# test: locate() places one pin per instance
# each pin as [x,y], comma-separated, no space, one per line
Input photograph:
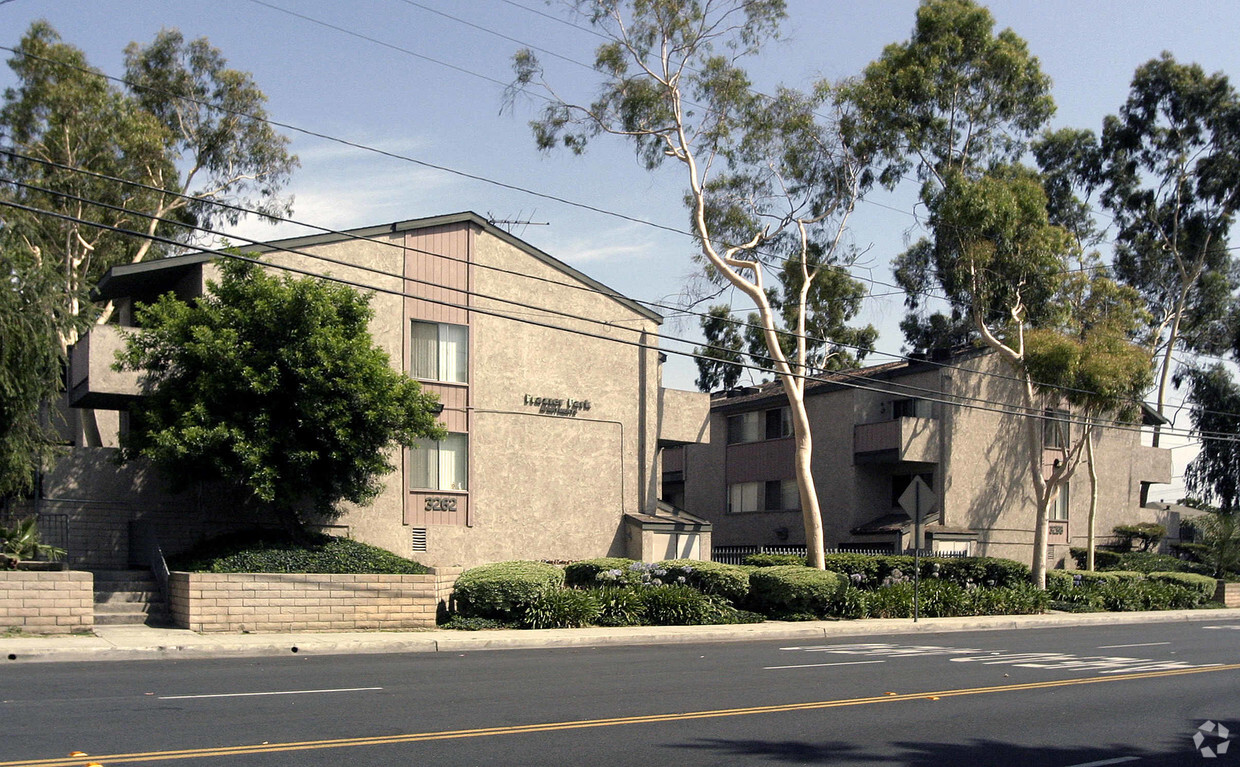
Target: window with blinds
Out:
[439,352]
[440,464]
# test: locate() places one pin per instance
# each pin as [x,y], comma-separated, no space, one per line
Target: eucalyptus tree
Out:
[1169,173]
[30,360]
[831,343]
[187,130]
[770,183]
[957,106]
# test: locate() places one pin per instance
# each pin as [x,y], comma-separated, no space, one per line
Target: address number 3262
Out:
[441,504]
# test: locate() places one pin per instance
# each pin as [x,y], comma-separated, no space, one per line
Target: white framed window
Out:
[439,352]
[440,464]
[1059,506]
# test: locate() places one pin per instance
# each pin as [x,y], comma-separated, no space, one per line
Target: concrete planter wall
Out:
[1228,594]
[221,602]
[55,602]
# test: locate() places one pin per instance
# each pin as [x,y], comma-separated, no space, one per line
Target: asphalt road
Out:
[1071,696]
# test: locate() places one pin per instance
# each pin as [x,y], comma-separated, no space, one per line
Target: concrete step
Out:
[128,598]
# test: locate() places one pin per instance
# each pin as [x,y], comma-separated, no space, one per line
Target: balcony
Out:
[898,440]
[92,381]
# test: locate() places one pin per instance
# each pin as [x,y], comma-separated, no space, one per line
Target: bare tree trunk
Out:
[1093,498]
[811,513]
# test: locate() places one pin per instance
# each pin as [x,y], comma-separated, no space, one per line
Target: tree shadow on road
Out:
[974,753]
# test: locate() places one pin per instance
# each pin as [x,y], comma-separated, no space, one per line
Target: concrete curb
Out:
[144,643]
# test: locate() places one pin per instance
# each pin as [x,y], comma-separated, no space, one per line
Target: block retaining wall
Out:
[223,602]
[1228,594]
[57,602]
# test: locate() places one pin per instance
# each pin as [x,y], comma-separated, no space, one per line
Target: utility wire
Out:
[575,286]
[842,380]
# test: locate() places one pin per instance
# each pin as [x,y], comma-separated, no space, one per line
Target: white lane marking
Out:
[1234,627]
[819,665]
[253,694]
[1143,644]
[1118,760]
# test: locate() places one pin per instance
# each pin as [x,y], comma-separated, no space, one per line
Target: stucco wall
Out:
[214,602]
[47,602]
[979,458]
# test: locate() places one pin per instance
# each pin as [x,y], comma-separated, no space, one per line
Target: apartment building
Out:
[954,424]
[550,384]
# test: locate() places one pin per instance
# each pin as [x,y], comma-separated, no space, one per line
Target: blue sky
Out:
[428,84]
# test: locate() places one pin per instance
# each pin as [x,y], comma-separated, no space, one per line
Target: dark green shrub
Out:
[1134,595]
[851,603]
[943,599]
[787,589]
[620,606]
[560,608]
[728,581]
[894,600]
[1147,534]
[266,551]
[680,605]
[1126,575]
[774,560]
[1103,559]
[461,623]
[1202,584]
[597,572]
[1149,562]
[1019,599]
[860,569]
[501,590]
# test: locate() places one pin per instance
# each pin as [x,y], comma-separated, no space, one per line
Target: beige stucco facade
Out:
[557,396]
[952,423]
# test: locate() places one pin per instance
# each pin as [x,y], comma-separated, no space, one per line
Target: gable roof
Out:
[128,279]
[470,217]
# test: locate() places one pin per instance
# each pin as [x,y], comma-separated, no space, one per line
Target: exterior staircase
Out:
[129,598]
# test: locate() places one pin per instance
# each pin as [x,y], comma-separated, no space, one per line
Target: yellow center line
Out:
[417,737]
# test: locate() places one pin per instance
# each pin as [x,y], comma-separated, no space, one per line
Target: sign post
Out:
[918,500]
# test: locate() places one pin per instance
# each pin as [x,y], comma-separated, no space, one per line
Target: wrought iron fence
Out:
[735,555]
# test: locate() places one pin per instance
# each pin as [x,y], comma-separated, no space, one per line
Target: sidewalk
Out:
[145,643]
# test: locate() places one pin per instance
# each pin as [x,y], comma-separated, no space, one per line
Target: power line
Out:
[844,380]
[575,286]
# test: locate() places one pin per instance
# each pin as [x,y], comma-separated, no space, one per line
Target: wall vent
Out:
[419,539]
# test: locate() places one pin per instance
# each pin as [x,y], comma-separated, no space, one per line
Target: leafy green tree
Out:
[1214,402]
[273,384]
[1170,175]
[31,362]
[719,361]
[64,120]
[831,344]
[957,104]
[769,181]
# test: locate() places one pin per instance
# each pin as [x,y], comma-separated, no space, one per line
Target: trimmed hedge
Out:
[588,571]
[787,590]
[503,589]
[774,560]
[272,552]
[1203,584]
[728,581]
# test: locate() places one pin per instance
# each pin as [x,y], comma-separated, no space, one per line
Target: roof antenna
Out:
[509,224]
